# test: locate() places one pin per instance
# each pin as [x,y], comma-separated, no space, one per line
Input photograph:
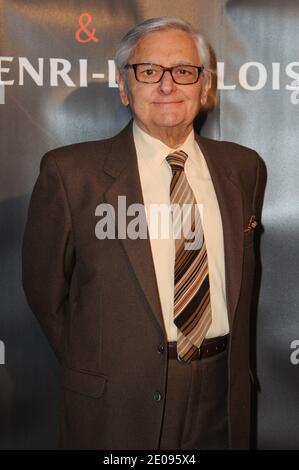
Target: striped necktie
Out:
[192,307]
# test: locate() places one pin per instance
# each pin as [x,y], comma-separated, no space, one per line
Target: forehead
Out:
[166,48]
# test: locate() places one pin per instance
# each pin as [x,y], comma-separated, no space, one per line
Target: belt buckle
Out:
[179,357]
[198,355]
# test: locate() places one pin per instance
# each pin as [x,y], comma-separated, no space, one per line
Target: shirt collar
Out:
[155,151]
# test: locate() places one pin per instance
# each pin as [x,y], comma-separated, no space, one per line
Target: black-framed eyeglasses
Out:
[153,73]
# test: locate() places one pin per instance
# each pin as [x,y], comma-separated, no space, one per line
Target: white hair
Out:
[126,47]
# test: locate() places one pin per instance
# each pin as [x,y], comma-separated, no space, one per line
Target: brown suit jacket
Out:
[97,300]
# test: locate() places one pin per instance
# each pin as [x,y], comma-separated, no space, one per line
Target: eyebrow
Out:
[181,62]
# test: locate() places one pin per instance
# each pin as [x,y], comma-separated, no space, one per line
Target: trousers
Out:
[196,412]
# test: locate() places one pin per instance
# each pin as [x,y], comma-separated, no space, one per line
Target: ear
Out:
[122,89]
[206,85]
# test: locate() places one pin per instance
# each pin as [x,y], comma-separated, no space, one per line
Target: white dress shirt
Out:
[155,176]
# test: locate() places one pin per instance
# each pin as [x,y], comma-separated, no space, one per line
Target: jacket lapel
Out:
[122,165]
[229,197]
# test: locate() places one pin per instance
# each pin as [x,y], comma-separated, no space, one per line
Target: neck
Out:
[170,136]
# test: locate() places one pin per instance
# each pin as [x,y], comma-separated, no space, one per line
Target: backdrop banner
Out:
[57,86]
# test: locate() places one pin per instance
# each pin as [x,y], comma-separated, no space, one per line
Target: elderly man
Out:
[152,335]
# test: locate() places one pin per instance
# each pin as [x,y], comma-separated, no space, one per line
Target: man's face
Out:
[165,104]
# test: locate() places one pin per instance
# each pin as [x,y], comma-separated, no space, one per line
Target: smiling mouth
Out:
[167,102]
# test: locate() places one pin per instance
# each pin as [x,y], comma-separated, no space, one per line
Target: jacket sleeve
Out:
[47,252]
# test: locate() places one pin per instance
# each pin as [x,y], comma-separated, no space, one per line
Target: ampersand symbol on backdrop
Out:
[84,22]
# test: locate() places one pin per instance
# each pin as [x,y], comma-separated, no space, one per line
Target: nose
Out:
[167,85]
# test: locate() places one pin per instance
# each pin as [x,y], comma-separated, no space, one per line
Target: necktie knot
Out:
[177,160]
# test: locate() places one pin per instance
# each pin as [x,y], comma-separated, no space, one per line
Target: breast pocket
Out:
[248,238]
[249,231]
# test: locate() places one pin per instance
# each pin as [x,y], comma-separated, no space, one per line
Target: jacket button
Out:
[160,348]
[157,396]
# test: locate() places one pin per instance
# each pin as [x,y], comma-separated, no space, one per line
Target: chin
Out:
[167,121]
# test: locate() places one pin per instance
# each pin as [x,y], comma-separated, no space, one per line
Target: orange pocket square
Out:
[251,224]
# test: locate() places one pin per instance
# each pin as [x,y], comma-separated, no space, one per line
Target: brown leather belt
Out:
[210,347]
